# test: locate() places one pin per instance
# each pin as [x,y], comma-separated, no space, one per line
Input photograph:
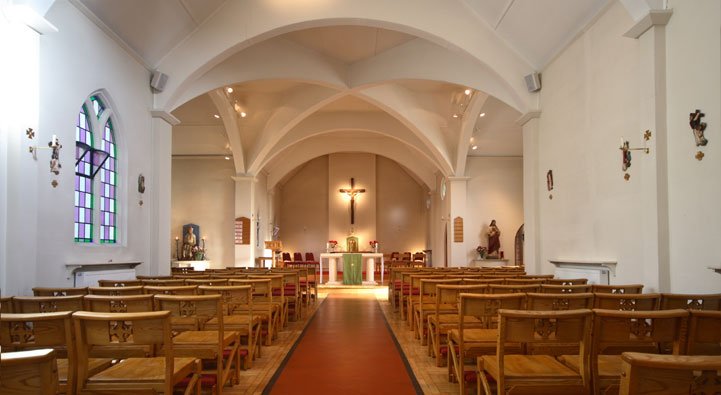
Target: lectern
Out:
[275,247]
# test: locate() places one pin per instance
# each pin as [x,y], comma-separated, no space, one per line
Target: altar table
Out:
[367,257]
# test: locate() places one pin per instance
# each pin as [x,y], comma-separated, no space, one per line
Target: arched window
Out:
[95,155]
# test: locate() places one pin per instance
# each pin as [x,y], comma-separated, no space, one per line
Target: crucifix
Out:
[352,192]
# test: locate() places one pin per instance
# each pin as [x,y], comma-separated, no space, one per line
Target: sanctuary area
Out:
[342,196]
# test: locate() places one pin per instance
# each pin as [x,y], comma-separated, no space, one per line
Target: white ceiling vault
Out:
[274,83]
[537,29]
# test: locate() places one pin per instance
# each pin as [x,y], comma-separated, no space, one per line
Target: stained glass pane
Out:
[83,186]
[98,106]
[107,187]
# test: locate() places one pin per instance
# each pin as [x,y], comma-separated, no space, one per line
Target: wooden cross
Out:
[352,192]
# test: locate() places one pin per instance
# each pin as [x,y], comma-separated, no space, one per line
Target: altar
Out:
[368,260]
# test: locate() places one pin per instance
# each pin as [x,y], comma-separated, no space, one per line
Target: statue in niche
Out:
[189,241]
[351,244]
[494,240]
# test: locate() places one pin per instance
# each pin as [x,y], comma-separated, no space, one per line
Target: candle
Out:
[177,238]
[55,140]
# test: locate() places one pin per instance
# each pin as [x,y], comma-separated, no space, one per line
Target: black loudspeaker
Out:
[158,81]
[533,82]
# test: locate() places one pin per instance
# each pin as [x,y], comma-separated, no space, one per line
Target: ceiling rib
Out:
[503,14]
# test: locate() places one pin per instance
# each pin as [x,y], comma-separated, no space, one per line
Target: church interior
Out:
[339,196]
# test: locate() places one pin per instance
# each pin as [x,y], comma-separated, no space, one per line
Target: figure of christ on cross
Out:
[352,192]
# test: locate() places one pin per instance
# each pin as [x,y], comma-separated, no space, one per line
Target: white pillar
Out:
[458,253]
[19,104]
[245,207]
[531,193]
[160,243]
[651,34]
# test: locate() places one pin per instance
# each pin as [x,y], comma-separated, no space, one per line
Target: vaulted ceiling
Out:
[273,83]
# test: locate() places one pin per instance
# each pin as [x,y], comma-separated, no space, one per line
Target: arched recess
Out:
[352,141]
[238,25]
[326,122]
[278,58]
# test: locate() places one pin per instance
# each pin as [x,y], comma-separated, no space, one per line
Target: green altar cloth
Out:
[352,269]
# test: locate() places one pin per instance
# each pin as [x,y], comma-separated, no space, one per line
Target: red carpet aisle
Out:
[347,349]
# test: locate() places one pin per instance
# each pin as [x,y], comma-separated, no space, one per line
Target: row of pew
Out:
[187,333]
[503,331]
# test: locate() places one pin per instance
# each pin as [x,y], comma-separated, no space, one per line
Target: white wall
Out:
[203,193]
[593,93]
[694,82]
[589,100]
[73,63]
[303,214]
[494,191]
[400,209]
[19,99]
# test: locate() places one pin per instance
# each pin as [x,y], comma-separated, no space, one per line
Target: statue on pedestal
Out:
[494,240]
[189,241]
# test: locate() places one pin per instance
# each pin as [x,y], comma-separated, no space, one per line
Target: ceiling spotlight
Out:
[243,114]
[475,147]
[467,92]
[227,158]
[229,90]
[216,116]
[483,114]
[455,115]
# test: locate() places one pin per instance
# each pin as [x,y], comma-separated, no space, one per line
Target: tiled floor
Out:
[432,379]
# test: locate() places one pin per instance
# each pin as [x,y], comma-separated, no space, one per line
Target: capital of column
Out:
[244,177]
[165,116]
[653,18]
[525,118]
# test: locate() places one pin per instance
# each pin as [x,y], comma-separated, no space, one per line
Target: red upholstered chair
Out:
[309,257]
[297,257]
[286,257]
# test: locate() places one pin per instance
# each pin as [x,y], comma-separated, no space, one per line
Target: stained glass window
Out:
[108,178]
[95,155]
[83,183]
[97,106]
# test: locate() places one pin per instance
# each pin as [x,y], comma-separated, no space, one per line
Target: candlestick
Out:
[177,254]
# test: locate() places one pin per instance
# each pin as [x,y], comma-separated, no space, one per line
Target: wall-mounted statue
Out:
[494,240]
[698,127]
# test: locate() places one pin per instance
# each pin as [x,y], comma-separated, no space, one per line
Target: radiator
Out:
[90,278]
[595,275]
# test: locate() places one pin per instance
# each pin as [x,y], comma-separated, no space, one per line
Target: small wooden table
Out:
[262,261]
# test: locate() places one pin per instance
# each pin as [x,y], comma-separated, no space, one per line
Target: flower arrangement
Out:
[374,245]
[330,245]
[198,252]
[482,251]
